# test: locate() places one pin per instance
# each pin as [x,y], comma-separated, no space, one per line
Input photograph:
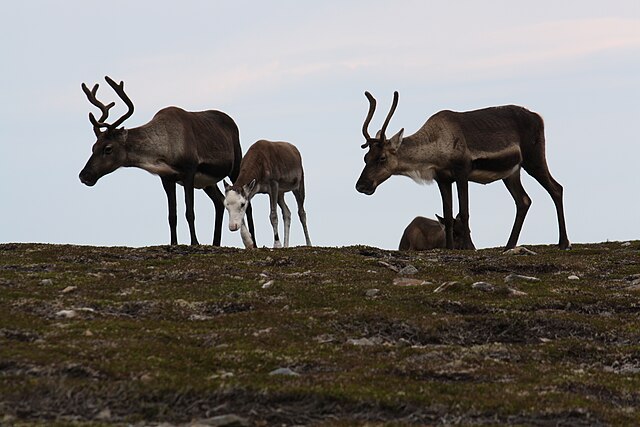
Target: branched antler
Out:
[91,95]
[119,89]
[101,123]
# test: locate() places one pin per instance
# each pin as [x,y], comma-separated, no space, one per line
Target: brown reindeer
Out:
[479,146]
[273,168]
[423,234]
[193,149]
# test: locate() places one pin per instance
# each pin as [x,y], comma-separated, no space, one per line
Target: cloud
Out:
[550,43]
[278,57]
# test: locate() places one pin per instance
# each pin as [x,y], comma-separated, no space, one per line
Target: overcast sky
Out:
[296,71]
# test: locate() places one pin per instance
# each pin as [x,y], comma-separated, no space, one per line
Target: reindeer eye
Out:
[382,159]
[108,149]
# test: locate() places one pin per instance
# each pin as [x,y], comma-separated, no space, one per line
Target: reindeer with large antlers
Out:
[193,149]
[479,146]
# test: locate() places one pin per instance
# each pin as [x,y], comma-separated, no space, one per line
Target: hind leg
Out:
[286,218]
[543,176]
[514,185]
[299,195]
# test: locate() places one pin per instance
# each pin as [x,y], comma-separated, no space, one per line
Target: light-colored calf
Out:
[273,168]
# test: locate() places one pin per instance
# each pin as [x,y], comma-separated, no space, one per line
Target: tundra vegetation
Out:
[321,336]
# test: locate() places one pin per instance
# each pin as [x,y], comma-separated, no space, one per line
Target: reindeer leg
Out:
[190,214]
[286,218]
[447,210]
[252,231]
[247,239]
[462,185]
[217,198]
[169,186]
[273,215]
[299,194]
[514,185]
[543,176]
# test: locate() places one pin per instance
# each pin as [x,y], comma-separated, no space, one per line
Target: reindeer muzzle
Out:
[87,178]
[365,189]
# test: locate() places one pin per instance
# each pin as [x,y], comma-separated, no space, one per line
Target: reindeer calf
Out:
[273,168]
[423,234]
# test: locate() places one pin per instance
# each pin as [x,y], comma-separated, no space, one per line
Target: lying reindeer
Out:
[423,234]
[273,168]
[193,149]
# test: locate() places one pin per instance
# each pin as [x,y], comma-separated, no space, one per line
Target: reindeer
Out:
[423,234]
[479,146]
[273,168]
[193,149]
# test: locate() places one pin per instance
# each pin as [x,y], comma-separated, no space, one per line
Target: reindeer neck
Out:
[140,147]
[150,148]
[414,151]
[252,167]
[417,158]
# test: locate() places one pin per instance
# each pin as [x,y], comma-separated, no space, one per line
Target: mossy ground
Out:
[173,334]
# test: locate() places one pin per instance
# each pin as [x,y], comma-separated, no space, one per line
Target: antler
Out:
[388,119]
[91,95]
[372,109]
[365,126]
[119,89]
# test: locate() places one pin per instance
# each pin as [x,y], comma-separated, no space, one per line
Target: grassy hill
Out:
[322,336]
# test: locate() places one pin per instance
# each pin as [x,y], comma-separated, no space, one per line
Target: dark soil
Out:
[182,335]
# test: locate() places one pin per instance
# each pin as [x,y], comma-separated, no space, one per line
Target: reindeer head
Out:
[236,201]
[381,160]
[109,151]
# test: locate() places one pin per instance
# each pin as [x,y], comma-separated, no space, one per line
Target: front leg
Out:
[462,184]
[246,236]
[217,198]
[190,214]
[273,214]
[251,230]
[286,218]
[447,210]
[169,186]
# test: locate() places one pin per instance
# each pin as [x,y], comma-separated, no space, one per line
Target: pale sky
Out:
[297,71]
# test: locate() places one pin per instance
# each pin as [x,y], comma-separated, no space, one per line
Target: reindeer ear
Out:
[121,135]
[227,186]
[440,219]
[249,187]
[396,139]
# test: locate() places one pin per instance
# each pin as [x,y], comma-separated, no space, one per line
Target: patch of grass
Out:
[172,334]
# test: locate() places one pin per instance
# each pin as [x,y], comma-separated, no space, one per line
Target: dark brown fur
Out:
[423,234]
[479,146]
[194,149]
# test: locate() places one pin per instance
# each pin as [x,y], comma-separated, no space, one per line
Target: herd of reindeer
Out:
[200,149]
